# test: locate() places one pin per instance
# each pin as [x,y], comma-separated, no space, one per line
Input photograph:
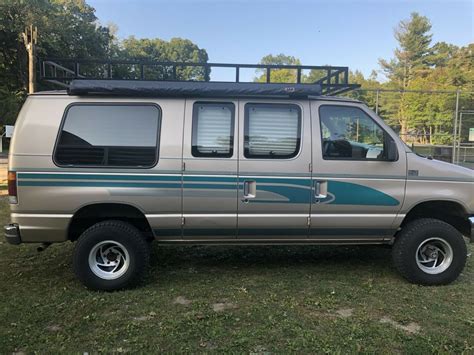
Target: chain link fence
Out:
[437,123]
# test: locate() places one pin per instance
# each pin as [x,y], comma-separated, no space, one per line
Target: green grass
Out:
[278,299]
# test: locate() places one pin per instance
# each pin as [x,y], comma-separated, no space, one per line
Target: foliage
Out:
[176,50]
[417,65]
[70,29]
[422,116]
[412,55]
[278,75]
[67,28]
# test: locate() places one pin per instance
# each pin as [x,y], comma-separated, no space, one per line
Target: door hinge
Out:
[183,221]
[310,167]
[308,221]
[183,166]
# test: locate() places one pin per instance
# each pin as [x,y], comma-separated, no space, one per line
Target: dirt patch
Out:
[345,312]
[259,350]
[208,345]
[149,316]
[223,306]
[411,328]
[182,300]
[53,328]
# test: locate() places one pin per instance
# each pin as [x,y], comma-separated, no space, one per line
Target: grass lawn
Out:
[233,299]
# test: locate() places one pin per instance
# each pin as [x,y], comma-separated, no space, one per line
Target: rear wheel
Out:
[111,255]
[429,252]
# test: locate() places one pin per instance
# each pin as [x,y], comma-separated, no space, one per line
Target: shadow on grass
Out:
[177,262]
[267,255]
[252,260]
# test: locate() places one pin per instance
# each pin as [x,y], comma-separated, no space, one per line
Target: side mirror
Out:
[392,150]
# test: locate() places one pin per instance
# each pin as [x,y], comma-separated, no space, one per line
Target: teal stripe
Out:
[210,178]
[125,185]
[290,190]
[99,184]
[98,177]
[273,181]
[27,173]
[346,193]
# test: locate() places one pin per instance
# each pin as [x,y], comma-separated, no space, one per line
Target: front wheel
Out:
[110,255]
[429,252]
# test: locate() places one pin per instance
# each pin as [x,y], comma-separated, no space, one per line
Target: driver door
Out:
[357,191]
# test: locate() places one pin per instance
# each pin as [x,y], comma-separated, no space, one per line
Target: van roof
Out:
[116,94]
[309,97]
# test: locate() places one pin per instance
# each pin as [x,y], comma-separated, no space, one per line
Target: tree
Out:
[70,29]
[67,28]
[412,58]
[278,75]
[176,50]
[364,94]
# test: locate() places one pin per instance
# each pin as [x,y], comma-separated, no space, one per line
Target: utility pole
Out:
[455,133]
[30,38]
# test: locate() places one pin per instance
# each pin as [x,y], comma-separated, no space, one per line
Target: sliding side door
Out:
[210,170]
[274,174]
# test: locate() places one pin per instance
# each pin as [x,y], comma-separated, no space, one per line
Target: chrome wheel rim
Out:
[109,260]
[434,256]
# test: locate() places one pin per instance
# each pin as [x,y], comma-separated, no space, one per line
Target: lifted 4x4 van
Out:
[113,165]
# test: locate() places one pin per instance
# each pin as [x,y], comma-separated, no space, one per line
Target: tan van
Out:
[113,165]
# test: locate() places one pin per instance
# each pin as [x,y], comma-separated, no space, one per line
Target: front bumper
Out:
[12,234]
[471,221]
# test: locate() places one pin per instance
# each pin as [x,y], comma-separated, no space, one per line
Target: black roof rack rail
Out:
[62,71]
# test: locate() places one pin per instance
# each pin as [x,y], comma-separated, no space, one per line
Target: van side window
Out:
[272,131]
[109,135]
[349,133]
[213,130]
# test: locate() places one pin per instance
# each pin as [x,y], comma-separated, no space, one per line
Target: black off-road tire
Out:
[127,236]
[413,235]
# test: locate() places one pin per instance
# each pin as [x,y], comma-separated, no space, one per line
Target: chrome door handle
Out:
[250,190]
[246,188]
[320,189]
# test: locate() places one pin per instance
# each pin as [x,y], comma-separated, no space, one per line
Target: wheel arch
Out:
[449,211]
[90,214]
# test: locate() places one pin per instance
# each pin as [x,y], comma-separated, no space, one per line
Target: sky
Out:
[340,32]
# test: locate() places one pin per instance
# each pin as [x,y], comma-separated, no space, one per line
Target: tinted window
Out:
[213,127]
[109,135]
[272,131]
[349,133]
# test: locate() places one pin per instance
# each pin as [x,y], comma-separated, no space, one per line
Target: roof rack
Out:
[332,80]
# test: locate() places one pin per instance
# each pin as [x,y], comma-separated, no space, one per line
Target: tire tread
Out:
[403,246]
[135,237]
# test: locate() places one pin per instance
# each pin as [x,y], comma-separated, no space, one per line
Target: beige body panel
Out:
[185,198]
[364,197]
[32,151]
[272,213]
[214,206]
[432,180]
